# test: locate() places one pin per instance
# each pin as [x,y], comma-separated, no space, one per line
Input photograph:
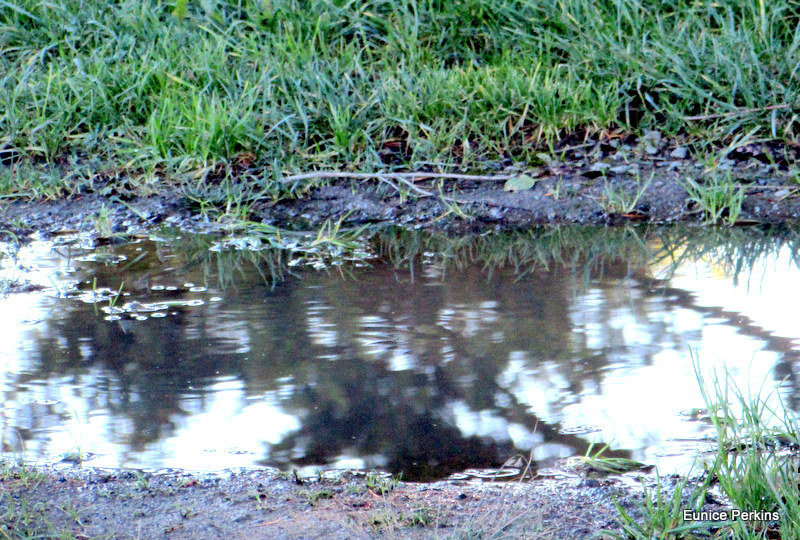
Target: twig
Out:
[738,111]
[396,176]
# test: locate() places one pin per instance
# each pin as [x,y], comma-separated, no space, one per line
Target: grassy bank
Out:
[147,92]
[753,470]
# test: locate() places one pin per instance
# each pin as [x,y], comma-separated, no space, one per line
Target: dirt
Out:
[577,189]
[91,503]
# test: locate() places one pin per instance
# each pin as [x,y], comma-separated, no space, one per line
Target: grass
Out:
[599,463]
[663,514]
[617,200]
[754,467]
[720,198]
[381,484]
[23,518]
[141,96]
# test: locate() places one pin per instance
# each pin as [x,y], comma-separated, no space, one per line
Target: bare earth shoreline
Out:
[603,190]
[91,503]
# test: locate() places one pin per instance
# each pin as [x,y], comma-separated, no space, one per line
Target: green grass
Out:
[149,94]
[19,516]
[754,468]
[617,200]
[719,197]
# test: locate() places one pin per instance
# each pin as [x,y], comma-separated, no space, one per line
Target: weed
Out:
[755,468]
[314,496]
[720,197]
[19,518]
[663,515]
[20,475]
[73,513]
[610,465]
[142,481]
[420,516]
[102,222]
[261,499]
[617,200]
[381,484]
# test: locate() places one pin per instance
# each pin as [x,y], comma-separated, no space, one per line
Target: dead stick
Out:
[738,111]
[397,176]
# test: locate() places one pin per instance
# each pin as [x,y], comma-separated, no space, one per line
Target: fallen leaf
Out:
[518,183]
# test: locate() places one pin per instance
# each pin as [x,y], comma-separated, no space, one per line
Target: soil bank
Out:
[91,503]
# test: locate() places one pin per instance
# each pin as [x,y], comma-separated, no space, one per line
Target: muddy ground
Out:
[597,183]
[87,503]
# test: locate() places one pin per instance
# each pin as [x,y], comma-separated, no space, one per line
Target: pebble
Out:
[650,149]
[679,153]
[600,166]
[620,169]
[652,135]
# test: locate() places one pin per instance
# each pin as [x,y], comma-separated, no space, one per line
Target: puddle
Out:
[406,352]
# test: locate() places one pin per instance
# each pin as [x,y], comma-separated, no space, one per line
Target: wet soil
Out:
[648,176]
[86,503]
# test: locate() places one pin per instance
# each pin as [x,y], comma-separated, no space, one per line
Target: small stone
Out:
[650,149]
[652,135]
[600,166]
[781,193]
[620,169]
[679,153]
[675,164]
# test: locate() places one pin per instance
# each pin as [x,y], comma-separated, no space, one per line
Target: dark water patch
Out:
[411,352]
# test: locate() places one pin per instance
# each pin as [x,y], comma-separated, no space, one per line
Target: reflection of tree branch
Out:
[788,355]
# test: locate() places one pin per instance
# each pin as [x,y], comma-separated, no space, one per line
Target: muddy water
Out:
[409,352]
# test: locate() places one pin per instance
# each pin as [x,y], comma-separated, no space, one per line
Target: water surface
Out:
[413,353]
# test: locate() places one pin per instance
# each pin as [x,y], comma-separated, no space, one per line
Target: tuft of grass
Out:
[315,496]
[719,197]
[102,222]
[597,462]
[20,518]
[381,484]
[662,514]
[19,475]
[618,201]
[755,467]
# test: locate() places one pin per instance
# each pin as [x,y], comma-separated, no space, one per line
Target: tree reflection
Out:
[394,360]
